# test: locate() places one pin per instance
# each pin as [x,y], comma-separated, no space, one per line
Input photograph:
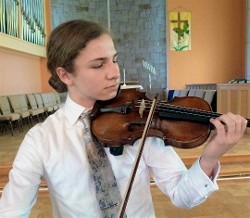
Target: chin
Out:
[109,96]
[112,96]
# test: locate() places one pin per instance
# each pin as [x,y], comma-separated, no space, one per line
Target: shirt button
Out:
[206,185]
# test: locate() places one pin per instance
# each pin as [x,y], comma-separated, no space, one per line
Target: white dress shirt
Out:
[54,151]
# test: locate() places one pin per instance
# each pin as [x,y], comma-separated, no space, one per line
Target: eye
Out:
[97,66]
[115,60]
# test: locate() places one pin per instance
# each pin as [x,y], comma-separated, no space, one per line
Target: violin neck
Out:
[189,117]
[189,114]
[186,113]
[170,111]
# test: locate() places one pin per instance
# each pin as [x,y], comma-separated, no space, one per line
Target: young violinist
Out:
[82,59]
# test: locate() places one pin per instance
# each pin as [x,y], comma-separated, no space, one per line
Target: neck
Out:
[84,102]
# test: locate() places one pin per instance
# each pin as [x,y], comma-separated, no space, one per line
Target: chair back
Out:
[45,99]
[199,93]
[32,101]
[183,92]
[209,95]
[15,103]
[191,92]
[39,100]
[176,93]
[58,100]
[23,102]
[5,105]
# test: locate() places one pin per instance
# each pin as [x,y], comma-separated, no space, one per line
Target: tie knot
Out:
[85,114]
[84,117]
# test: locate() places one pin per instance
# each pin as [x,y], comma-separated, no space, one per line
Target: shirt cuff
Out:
[215,172]
[208,185]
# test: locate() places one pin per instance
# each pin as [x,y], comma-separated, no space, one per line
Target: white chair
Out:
[183,92]
[191,92]
[199,93]
[180,92]
[209,95]
[8,116]
[34,110]
[176,93]
[58,99]
[40,104]
[19,105]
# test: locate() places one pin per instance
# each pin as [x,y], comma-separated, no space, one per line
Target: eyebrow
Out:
[103,58]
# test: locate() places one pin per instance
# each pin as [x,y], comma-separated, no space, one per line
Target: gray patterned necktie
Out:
[107,192]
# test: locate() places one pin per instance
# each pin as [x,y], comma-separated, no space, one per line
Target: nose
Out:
[113,71]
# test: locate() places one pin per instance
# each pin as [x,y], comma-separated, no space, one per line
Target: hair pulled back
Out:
[64,45]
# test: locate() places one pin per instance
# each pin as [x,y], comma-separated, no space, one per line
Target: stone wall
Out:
[138,29]
[65,10]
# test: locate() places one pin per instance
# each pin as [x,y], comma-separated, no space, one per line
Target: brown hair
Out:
[64,45]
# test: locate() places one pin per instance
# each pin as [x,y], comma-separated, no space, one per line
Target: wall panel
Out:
[234,98]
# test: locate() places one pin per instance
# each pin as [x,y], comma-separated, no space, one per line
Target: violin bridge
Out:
[142,108]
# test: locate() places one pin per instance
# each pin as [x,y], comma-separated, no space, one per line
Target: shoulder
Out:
[42,131]
[52,121]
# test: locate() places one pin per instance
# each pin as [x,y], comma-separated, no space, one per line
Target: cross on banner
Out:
[178,21]
[180,31]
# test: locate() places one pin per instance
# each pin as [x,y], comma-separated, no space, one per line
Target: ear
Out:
[64,76]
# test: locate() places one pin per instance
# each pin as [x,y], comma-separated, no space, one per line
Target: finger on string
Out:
[218,125]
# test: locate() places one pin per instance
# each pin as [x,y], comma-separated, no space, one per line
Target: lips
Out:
[115,86]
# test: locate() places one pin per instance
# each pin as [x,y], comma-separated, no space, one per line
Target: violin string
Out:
[194,112]
[187,110]
[166,108]
[163,107]
[186,114]
[171,112]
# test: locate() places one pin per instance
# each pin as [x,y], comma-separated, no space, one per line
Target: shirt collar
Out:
[72,110]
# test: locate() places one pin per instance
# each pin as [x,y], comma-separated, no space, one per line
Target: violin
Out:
[182,122]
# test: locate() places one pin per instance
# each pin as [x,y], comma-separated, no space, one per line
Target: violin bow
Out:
[137,160]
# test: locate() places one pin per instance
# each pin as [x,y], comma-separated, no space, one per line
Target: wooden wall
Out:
[234,98]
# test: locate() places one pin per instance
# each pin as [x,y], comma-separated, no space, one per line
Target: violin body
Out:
[118,122]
